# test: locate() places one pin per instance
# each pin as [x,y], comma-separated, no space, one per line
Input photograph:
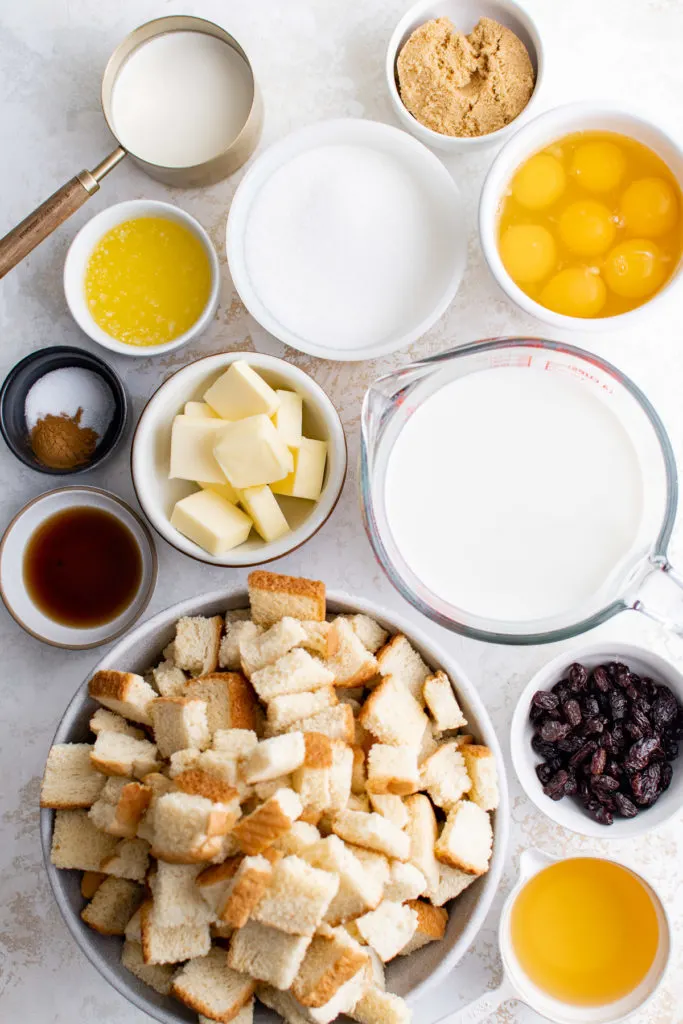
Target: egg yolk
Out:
[598,166]
[539,182]
[528,252]
[649,207]
[576,291]
[635,269]
[587,227]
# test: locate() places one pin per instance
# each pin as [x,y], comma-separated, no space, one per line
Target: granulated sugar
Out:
[345,247]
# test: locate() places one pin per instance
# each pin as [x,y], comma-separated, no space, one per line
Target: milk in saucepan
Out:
[514,494]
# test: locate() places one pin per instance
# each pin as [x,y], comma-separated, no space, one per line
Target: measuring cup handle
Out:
[483,1007]
[22,239]
[651,610]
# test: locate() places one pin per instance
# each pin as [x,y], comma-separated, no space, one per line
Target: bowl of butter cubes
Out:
[238,459]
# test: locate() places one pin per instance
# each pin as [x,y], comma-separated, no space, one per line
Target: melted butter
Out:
[147,281]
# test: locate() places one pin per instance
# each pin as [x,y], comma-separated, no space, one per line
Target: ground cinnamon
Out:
[60,442]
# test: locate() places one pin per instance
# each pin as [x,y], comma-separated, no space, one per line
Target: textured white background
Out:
[314,59]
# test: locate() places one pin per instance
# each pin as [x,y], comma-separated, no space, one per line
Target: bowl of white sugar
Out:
[346,239]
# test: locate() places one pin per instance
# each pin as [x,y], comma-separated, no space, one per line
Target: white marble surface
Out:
[314,59]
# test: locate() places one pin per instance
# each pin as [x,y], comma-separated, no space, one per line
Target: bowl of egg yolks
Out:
[581,216]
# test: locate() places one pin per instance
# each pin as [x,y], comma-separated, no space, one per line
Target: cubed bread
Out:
[336,722]
[359,891]
[422,832]
[114,753]
[120,807]
[129,859]
[393,715]
[268,647]
[179,723]
[328,965]
[272,758]
[466,839]
[376,864]
[341,774]
[264,790]
[390,807]
[123,692]
[405,883]
[168,679]
[359,775]
[267,954]
[209,987]
[369,632]
[284,1003]
[481,768]
[171,944]
[400,660]
[230,700]
[349,660]
[373,832]
[90,883]
[295,672]
[70,781]
[133,930]
[236,631]
[451,882]
[108,721]
[297,898]
[360,802]
[378,1007]
[440,699]
[392,769]
[388,929]
[317,636]
[177,898]
[431,925]
[312,779]
[428,746]
[237,743]
[444,777]
[268,822]
[214,882]
[300,837]
[285,711]
[76,843]
[244,891]
[272,597]
[157,976]
[199,782]
[188,829]
[196,644]
[112,906]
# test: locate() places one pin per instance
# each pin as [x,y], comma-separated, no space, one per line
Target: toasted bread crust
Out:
[274,583]
[219,872]
[133,803]
[243,702]
[262,827]
[245,897]
[206,1009]
[110,683]
[318,750]
[347,965]
[431,920]
[90,883]
[197,782]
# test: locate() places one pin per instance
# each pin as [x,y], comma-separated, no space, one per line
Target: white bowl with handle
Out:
[408,976]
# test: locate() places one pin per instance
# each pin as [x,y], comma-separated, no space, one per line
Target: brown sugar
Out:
[464,85]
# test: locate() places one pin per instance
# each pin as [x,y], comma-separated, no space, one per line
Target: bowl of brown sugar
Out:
[62,410]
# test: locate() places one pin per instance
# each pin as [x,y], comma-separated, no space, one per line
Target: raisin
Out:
[664,708]
[618,705]
[604,785]
[544,772]
[666,776]
[570,744]
[670,748]
[642,752]
[626,807]
[571,786]
[552,731]
[543,749]
[578,677]
[598,761]
[591,708]
[639,719]
[555,787]
[643,704]
[601,814]
[613,768]
[608,744]
[562,690]
[571,709]
[545,699]
[585,751]
[647,785]
[618,735]
[593,727]
[601,680]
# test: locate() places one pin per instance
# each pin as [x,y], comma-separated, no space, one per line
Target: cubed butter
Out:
[192,444]
[251,452]
[306,478]
[200,410]
[225,490]
[260,504]
[211,522]
[240,392]
[288,416]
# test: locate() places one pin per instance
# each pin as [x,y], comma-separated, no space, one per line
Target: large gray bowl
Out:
[407,976]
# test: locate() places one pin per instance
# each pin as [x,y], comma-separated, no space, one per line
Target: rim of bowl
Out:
[264,558]
[244,198]
[436,652]
[118,393]
[74,273]
[521,753]
[457,142]
[488,212]
[151,584]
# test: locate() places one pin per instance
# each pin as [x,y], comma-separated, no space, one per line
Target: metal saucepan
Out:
[22,239]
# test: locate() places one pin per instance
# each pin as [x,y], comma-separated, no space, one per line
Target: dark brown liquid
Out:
[82,567]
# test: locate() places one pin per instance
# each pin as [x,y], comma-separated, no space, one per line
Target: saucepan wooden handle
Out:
[22,239]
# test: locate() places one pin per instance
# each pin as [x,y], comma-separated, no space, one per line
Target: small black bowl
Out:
[21,379]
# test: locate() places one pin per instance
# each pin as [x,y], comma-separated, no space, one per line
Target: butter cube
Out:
[200,410]
[240,392]
[192,443]
[225,490]
[268,518]
[306,479]
[251,452]
[288,416]
[211,521]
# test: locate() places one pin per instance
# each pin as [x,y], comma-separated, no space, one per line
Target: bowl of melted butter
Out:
[141,278]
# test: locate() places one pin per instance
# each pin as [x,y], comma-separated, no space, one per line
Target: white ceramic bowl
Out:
[464,14]
[536,135]
[13,588]
[568,812]
[407,976]
[422,166]
[151,447]
[77,260]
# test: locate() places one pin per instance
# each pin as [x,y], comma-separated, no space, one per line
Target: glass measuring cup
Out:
[392,399]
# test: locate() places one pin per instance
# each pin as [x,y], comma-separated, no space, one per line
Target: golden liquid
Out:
[585,931]
[638,162]
[147,281]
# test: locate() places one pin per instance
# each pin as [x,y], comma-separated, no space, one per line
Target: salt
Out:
[345,246]
[64,391]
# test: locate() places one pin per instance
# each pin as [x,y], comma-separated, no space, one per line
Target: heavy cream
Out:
[513,494]
[181,98]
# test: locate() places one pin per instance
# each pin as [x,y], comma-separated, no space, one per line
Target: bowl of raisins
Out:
[595,740]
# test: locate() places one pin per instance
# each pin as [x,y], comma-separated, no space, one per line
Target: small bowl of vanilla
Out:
[141,278]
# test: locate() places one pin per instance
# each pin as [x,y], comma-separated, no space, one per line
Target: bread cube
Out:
[400,660]
[112,906]
[373,832]
[70,781]
[391,807]
[392,770]
[431,925]
[293,673]
[123,692]
[273,596]
[440,699]
[197,639]
[359,890]
[330,963]
[157,976]
[393,715]
[169,679]
[267,954]
[235,632]
[268,822]
[207,986]
[388,929]
[481,768]
[120,807]
[188,829]
[275,757]
[285,711]
[171,944]
[337,722]
[451,882]
[179,723]
[405,883]
[369,632]
[444,776]
[129,859]
[230,700]
[467,839]
[265,648]
[115,753]
[235,742]
[108,721]
[349,659]
[422,832]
